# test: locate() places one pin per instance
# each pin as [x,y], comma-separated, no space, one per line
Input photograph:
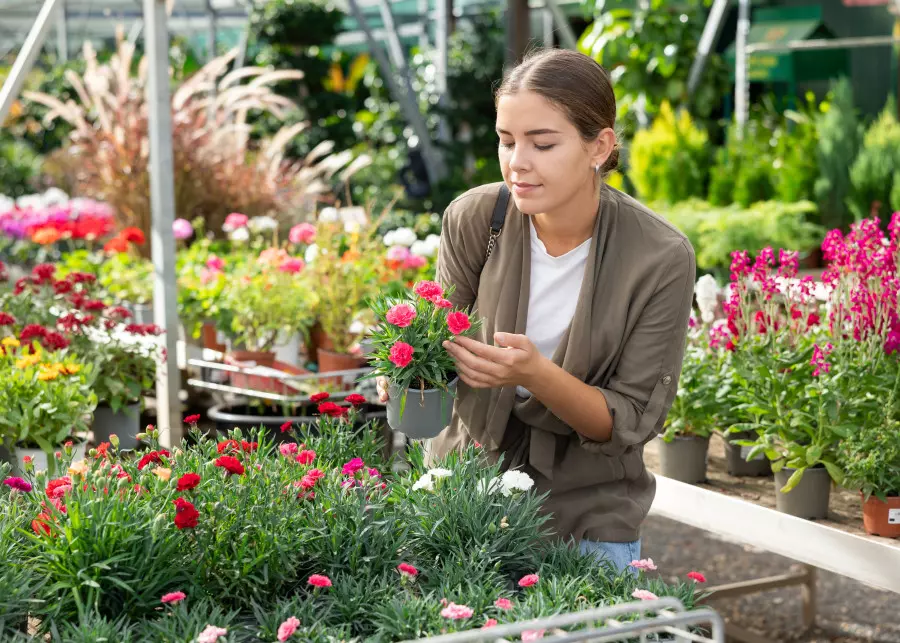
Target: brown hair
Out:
[576,84]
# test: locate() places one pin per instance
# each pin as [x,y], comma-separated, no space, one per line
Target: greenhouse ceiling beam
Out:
[34,42]
[711,31]
[566,35]
[162,206]
[407,98]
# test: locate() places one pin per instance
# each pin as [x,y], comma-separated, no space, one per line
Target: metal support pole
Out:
[62,33]
[547,24]
[710,34]
[395,49]
[162,202]
[405,96]
[518,30]
[566,36]
[27,55]
[424,11]
[741,60]
[211,29]
[442,36]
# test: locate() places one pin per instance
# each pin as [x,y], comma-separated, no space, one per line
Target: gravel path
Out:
[848,611]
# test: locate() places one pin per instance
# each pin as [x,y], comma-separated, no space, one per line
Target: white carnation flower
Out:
[328,215]
[262,224]
[403,237]
[439,473]
[515,482]
[426,482]
[388,238]
[707,293]
[241,234]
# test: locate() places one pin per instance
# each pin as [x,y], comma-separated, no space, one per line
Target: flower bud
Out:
[114,440]
[68,447]
[93,453]
[141,436]
[58,455]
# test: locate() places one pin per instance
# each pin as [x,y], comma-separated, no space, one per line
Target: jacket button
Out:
[667,379]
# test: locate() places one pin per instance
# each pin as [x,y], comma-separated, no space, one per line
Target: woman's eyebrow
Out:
[533,132]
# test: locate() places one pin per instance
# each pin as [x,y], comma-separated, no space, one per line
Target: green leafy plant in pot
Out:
[409,351]
[45,400]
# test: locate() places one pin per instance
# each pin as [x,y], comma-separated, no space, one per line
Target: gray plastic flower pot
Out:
[125,423]
[684,458]
[809,499]
[425,415]
[736,457]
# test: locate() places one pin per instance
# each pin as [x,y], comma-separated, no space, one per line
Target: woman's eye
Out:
[506,146]
[544,148]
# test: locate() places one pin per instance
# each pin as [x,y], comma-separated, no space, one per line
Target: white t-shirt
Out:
[555,286]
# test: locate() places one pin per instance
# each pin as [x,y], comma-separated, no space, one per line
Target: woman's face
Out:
[544,160]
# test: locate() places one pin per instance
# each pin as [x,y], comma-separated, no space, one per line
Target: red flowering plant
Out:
[408,341]
[69,313]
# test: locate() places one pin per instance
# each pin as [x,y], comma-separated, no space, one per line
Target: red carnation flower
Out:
[230,464]
[32,331]
[192,419]
[401,354]
[119,311]
[93,305]
[306,456]
[355,399]
[458,322]
[41,524]
[62,287]
[697,576]
[116,245]
[186,514]
[44,271]
[53,485]
[406,568]
[330,408]
[286,427]
[81,278]
[228,445]
[54,341]
[249,447]
[318,397]
[152,457]
[188,481]
[6,319]
[133,235]
[318,580]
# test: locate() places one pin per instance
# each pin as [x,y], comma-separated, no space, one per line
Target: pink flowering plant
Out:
[806,385]
[408,341]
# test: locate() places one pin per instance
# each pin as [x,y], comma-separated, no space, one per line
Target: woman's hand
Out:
[381,385]
[514,361]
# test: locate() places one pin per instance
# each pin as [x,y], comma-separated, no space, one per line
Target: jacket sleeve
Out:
[461,253]
[643,387]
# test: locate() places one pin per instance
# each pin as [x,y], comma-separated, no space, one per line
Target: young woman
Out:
[585,296]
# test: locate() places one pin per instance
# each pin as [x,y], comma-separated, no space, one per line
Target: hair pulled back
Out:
[575,84]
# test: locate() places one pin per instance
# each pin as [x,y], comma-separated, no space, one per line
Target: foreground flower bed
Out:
[240,540]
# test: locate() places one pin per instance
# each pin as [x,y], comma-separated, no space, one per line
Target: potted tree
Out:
[409,351]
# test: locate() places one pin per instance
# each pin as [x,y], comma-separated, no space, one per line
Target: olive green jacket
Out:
[626,338]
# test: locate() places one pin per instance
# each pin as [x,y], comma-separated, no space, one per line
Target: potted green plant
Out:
[46,399]
[128,279]
[268,302]
[870,459]
[349,271]
[409,351]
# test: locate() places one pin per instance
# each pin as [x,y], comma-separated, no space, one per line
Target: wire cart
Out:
[664,619]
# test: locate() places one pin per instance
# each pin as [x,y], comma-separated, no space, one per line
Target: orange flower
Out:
[45,236]
[351,255]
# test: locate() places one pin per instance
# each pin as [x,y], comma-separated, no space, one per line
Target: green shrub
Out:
[875,173]
[839,137]
[20,167]
[669,160]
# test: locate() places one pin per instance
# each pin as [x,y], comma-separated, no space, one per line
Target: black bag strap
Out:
[498,218]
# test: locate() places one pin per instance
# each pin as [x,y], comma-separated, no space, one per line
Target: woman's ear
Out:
[603,146]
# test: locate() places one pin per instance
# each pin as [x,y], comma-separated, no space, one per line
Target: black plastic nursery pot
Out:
[246,417]
[809,499]
[684,458]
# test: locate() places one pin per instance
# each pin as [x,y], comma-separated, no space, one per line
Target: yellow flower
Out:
[10,342]
[162,473]
[70,369]
[78,468]
[28,360]
[47,376]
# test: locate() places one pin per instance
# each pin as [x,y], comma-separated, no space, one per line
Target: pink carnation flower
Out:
[286,630]
[319,580]
[457,612]
[173,598]
[401,315]
[645,564]
[644,595]
[529,580]
[302,233]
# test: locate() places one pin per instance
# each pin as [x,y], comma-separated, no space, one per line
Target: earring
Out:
[597,169]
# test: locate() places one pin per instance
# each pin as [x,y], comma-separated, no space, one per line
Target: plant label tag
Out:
[894,516]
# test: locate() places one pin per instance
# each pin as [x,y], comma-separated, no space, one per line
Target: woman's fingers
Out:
[473,378]
[465,358]
[381,386]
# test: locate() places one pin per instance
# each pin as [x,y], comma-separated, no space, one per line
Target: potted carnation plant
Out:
[870,458]
[408,350]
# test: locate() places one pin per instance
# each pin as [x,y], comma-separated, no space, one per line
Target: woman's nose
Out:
[518,159]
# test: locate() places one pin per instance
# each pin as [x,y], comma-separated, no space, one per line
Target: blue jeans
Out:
[619,555]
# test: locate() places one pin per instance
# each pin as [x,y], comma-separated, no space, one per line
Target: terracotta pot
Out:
[210,337]
[882,518]
[262,358]
[330,361]
[318,339]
